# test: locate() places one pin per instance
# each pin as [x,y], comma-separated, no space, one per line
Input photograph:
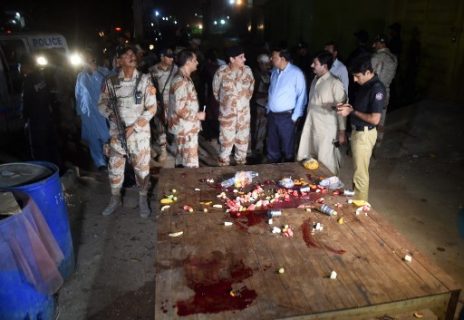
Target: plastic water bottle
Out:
[328,210]
[228,183]
[274,213]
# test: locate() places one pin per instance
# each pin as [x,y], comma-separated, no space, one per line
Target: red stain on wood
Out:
[310,241]
[212,280]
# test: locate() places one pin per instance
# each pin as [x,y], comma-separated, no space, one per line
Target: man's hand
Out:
[129,131]
[201,116]
[344,109]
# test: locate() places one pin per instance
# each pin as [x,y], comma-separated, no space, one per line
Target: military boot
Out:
[144,210]
[115,202]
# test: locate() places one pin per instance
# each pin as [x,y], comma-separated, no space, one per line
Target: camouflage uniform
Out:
[384,64]
[233,89]
[161,75]
[182,119]
[139,116]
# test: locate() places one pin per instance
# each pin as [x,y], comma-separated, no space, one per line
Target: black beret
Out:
[167,52]
[234,51]
[123,49]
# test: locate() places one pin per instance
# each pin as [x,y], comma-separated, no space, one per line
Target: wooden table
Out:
[214,271]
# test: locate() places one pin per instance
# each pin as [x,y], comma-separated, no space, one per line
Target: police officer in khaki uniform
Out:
[135,98]
[233,86]
[365,113]
[384,63]
[162,74]
[183,111]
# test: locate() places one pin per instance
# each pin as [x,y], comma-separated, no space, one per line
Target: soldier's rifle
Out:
[113,103]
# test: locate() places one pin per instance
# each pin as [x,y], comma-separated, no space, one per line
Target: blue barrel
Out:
[19,300]
[42,183]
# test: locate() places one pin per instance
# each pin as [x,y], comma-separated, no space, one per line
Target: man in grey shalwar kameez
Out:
[323,130]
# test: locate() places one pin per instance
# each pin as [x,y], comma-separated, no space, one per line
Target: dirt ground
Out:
[417,182]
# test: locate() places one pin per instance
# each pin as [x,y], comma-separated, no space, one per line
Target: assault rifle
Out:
[160,94]
[113,103]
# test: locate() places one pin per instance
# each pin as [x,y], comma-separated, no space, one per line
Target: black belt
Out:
[361,128]
[283,112]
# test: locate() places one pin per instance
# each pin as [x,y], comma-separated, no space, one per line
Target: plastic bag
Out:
[332,183]
[240,180]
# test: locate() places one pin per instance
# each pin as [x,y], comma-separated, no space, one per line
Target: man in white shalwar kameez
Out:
[323,130]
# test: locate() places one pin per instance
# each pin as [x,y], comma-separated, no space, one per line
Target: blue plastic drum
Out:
[41,181]
[19,298]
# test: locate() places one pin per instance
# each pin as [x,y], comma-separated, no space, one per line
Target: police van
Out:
[45,47]
[49,50]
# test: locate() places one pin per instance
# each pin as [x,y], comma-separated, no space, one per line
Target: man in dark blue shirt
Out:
[365,116]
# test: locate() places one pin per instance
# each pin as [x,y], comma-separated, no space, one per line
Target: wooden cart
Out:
[244,271]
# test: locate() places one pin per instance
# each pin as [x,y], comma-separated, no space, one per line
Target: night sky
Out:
[75,18]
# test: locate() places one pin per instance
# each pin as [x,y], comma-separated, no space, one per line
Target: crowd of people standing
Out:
[254,114]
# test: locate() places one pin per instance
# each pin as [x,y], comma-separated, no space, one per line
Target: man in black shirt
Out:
[365,116]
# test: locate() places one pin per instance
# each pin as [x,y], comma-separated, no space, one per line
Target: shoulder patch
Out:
[379,96]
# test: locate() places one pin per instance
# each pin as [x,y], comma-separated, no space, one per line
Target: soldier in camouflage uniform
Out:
[183,114]
[384,63]
[233,87]
[162,75]
[136,105]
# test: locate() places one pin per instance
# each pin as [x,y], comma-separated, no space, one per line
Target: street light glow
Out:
[231,2]
[157,13]
[223,21]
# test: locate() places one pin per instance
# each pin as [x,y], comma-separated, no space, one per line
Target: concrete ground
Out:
[417,182]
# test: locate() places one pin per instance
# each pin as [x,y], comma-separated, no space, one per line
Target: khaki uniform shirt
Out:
[233,89]
[384,64]
[132,111]
[161,75]
[183,106]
